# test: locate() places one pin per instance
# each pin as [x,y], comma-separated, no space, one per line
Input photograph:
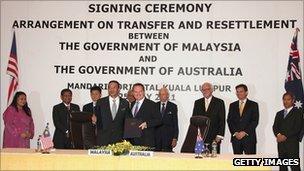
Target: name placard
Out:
[141,153]
[100,152]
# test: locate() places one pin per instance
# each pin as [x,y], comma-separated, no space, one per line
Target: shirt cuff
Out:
[219,136]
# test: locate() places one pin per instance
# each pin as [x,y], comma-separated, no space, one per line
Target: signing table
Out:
[28,159]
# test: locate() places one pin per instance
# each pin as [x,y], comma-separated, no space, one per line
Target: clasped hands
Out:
[240,135]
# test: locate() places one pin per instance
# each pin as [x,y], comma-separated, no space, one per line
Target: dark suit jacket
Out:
[110,130]
[290,126]
[89,137]
[149,113]
[60,119]
[216,114]
[168,129]
[248,122]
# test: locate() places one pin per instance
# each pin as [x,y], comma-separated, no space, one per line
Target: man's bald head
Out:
[163,94]
[207,89]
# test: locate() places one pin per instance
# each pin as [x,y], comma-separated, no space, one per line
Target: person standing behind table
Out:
[287,129]
[243,118]
[167,133]
[18,123]
[148,113]
[61,119]
[89,139]
[111,112]
[213,108]
[130,97]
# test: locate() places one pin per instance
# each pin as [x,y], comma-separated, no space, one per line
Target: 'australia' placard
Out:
[141,153]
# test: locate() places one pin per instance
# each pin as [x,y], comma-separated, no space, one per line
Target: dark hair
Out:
[242,86]
[65,90]
[116,82]
[25,107]
[288,93]
[138,84]
[95,88]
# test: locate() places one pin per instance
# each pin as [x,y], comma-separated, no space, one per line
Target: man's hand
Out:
[242,134]
[143,126]
[174,142]
[281,138]
[94,119]
[218,139]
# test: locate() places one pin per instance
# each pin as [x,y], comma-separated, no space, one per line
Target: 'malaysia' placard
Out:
[100,152]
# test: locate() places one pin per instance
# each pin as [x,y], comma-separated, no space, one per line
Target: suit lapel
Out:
[289,114]
[167,109]
[238,109]
[141,108]
[119,110]
[204,107]
[108,108]
[65,108]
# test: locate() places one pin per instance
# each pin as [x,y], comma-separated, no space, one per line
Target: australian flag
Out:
[199,145]
[293,81]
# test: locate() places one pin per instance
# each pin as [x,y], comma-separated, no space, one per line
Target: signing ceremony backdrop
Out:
[177,44]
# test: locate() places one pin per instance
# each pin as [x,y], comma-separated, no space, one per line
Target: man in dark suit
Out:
[111,112]
[243,118]
[61,119]
[167,133]
[287,129]
[147,112]
[130,97]
[213,108]
[89,139]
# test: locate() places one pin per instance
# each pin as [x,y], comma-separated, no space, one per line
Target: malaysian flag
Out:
[199,145]
[293,81]
[46,143]
[12,70]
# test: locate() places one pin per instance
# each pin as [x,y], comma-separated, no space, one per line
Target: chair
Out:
[79,129]
[201,122]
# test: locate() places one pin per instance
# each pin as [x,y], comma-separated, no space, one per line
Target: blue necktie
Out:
[136,109]
[285,113]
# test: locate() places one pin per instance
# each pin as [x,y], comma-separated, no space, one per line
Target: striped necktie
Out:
[241,108]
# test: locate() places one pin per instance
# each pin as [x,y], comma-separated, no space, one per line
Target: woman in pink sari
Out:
[18,123]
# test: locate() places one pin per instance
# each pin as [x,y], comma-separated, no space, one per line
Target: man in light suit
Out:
[287,130]
[213,108]
[61,118]
[89,139]
[243,118]
[147,112]
[111,112]
[167,133]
